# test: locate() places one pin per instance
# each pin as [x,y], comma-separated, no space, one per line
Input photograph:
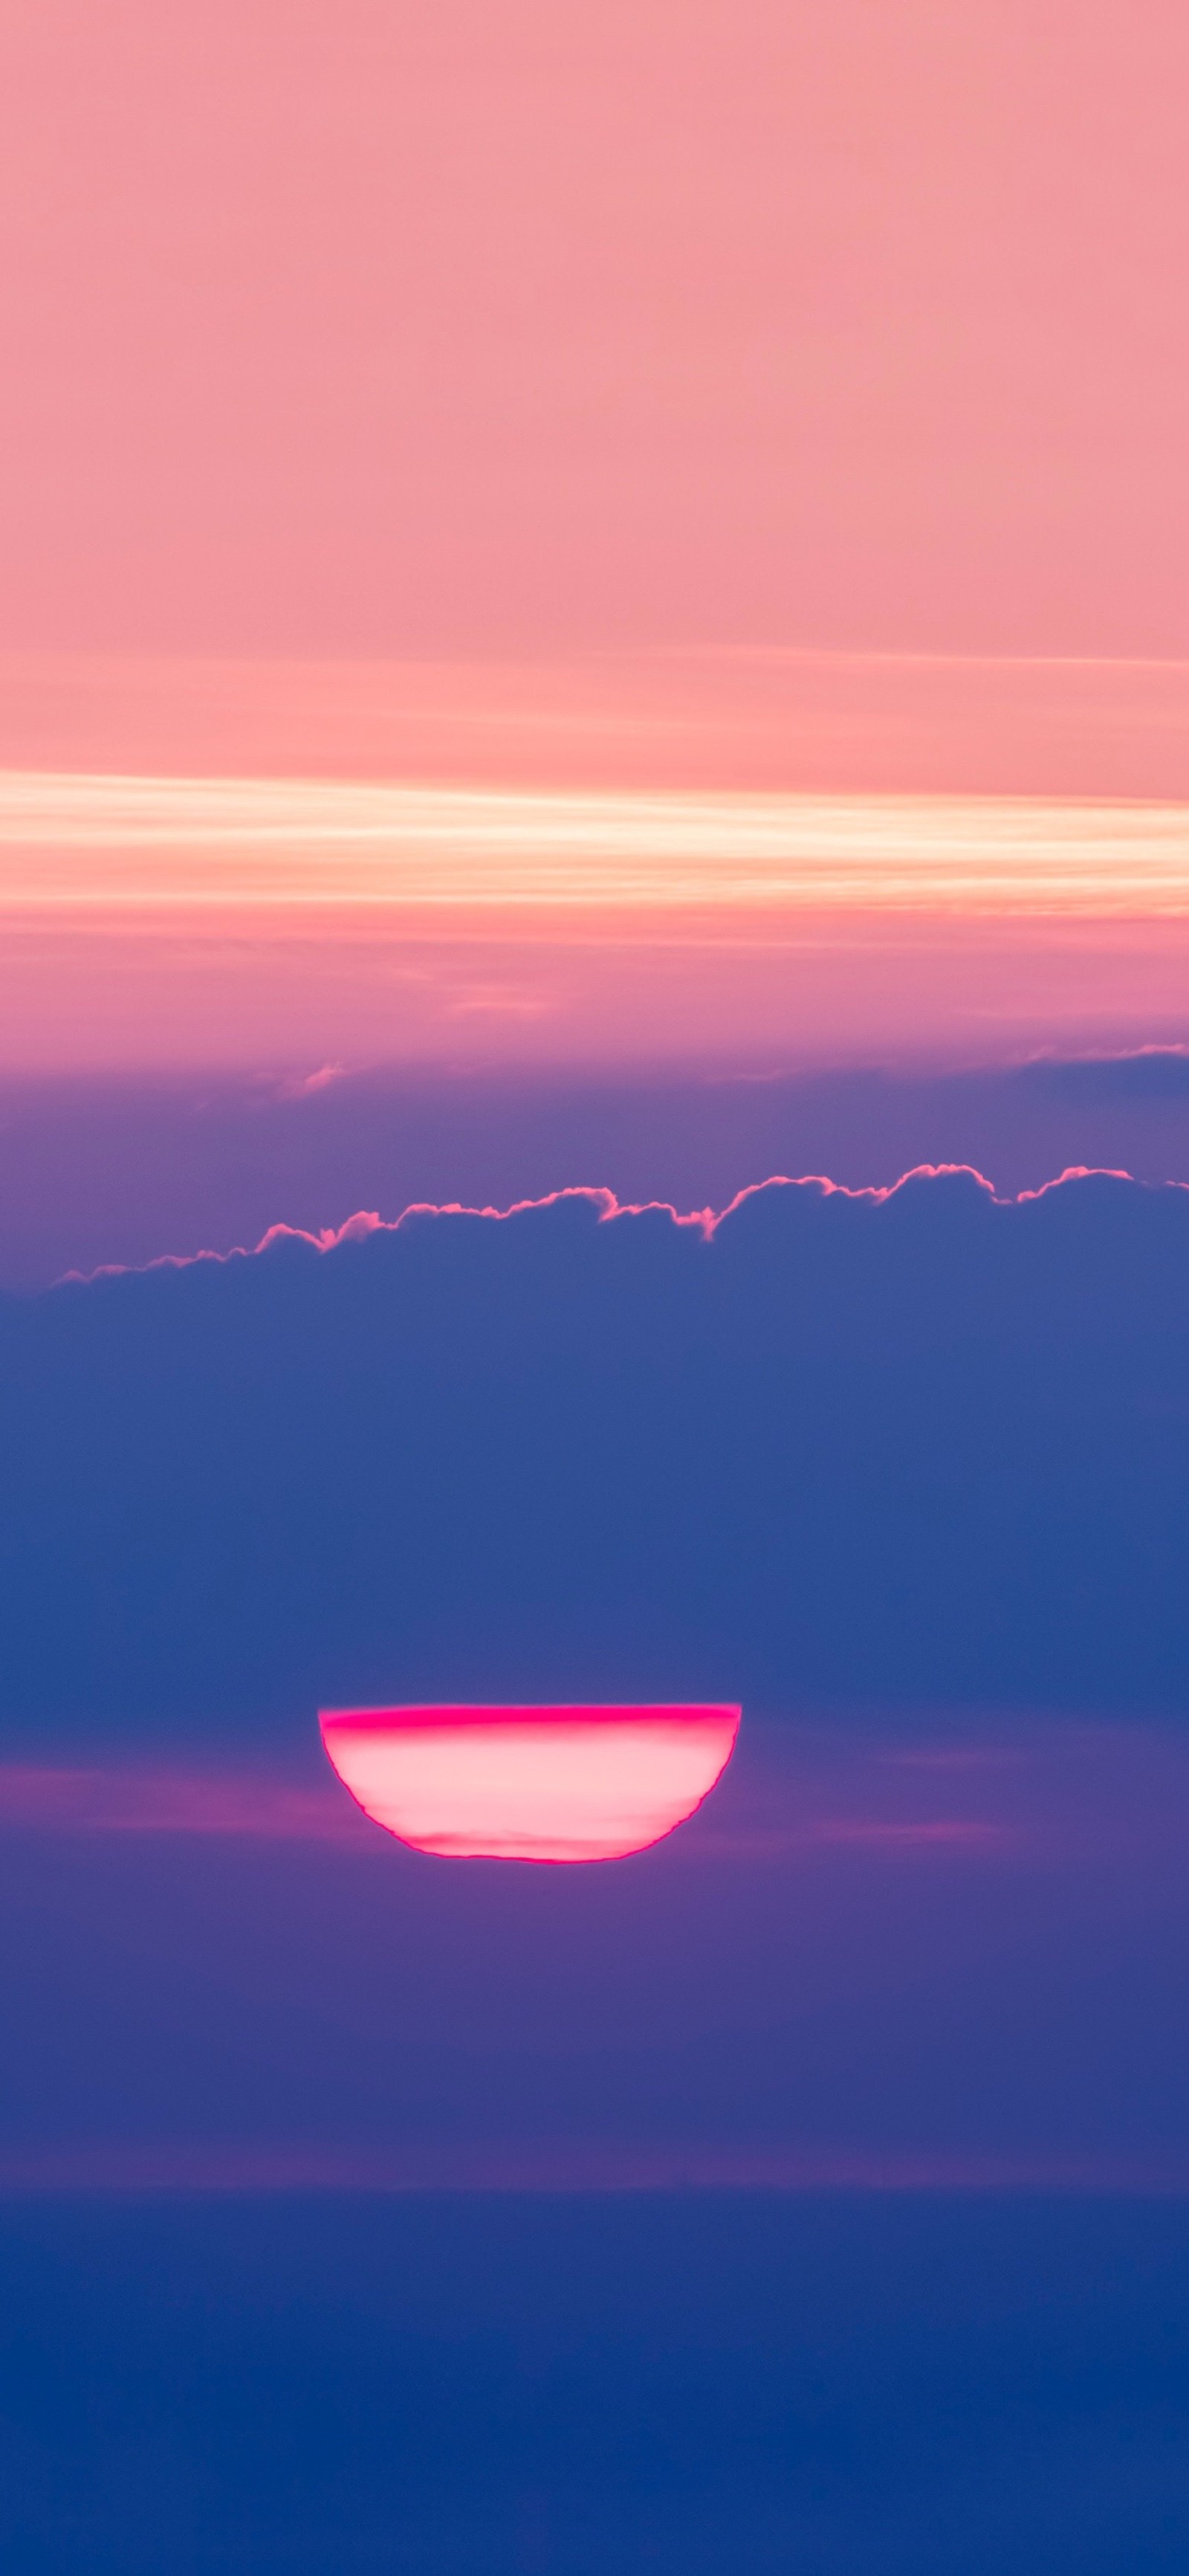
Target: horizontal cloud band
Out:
[214,845]
[911,1447]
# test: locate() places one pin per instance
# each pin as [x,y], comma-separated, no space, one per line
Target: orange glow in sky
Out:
[544,1784]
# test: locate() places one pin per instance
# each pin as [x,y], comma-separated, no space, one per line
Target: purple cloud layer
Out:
[918,1445]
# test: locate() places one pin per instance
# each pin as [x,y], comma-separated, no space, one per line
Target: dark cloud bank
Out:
[922,1448]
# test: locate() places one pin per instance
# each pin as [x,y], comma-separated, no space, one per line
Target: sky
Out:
[754,401]
[735,865]
[594,1115]
[516,329]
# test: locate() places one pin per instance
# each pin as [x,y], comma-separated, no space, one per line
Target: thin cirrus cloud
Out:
[198,843]
[158,922]
[97,2167]
[125,1799]
[794,1807]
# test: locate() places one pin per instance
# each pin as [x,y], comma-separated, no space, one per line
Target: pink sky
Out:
[505,326]
[745,717]
[734,396]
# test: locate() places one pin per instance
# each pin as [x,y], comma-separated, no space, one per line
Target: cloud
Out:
[1151,1073]
[305,1086]
[900,1448]
[123,1800]
[233,2167]
[237,846]
[95,1172]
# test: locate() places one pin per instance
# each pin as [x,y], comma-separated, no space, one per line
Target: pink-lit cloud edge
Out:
[706,1221]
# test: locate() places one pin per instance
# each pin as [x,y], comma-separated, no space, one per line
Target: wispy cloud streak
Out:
[123,844]
[248,2167]
[121,1800]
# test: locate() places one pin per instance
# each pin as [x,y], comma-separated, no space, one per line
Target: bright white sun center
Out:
[559,1784]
